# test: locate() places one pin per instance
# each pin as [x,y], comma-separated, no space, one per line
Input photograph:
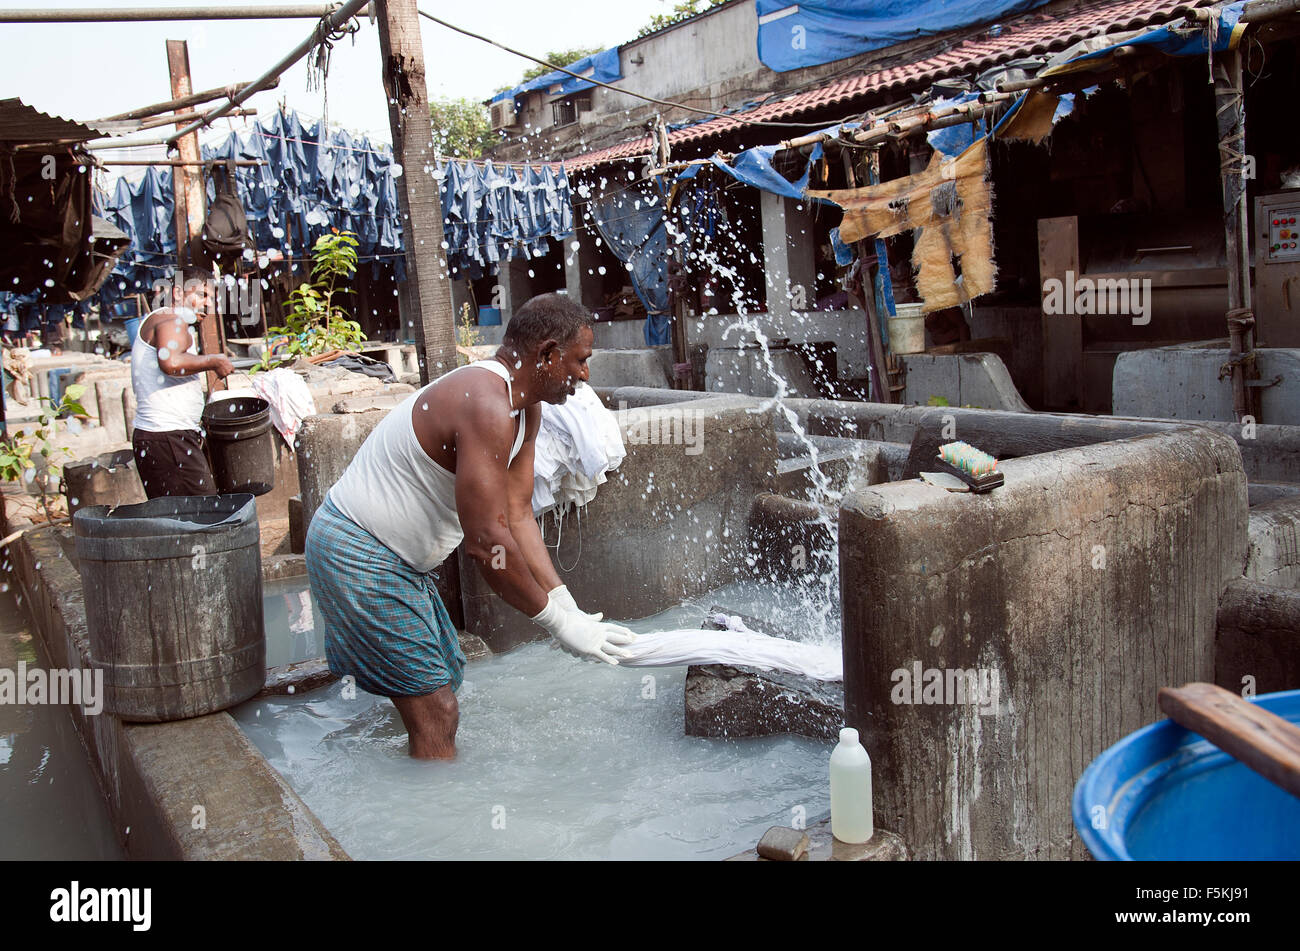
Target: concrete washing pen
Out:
[977,469]
[851,820]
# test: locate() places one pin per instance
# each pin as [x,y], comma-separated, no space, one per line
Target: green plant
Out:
[461,128]
[467,333]
[16,452]
[937,401]
[314,323]
[682,11]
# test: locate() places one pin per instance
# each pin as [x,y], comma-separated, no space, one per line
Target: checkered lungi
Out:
[384,622]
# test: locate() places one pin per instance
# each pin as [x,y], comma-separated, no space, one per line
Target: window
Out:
[566,111]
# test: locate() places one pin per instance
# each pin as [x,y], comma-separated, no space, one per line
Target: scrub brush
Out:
[977,469]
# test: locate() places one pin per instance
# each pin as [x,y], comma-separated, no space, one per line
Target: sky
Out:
[91,70]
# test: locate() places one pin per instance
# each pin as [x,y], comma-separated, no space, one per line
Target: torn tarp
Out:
[754,167]
[1175,39]
[948,208]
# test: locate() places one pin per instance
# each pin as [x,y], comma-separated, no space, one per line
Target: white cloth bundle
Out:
[738,646]
[578,442]
[291,401]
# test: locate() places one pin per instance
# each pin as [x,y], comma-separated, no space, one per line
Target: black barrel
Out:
[108,479]
[173,594]
[240,444]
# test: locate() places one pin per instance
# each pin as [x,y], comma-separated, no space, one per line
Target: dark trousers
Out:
[172,463]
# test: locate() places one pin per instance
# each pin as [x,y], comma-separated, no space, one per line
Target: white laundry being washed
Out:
[578,442]
[738,646]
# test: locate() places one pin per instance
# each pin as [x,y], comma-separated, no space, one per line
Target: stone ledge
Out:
[882,847]
[153,775]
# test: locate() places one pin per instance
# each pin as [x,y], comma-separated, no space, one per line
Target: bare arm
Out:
[483,440]
[171,337]
[522,523]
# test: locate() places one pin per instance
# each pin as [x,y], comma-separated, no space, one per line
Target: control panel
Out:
[1281,233]
[1276,298]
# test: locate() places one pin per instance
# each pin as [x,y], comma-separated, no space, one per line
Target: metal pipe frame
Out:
[296,11]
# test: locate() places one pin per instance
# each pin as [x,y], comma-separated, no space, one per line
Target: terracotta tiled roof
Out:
[1031,34]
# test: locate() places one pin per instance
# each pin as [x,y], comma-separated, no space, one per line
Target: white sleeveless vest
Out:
[397,493]
[164,403]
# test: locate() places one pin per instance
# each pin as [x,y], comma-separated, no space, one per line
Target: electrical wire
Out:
[618,89]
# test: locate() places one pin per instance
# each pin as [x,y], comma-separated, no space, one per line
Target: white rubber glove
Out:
[578,634]
[564,597]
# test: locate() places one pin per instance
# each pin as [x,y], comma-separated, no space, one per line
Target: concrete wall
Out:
[1006,582]
[1259,638]
[153,775]
[669,524]
[1268,453]
[1274,552]
[845,328]
[326,444]
[964,379]
[1183,383]
[647,367]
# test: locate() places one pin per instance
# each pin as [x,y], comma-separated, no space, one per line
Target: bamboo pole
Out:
[157,121]
[193,99]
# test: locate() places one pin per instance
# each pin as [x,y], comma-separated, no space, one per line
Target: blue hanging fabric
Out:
[492,214]
[631,223]
[313,180]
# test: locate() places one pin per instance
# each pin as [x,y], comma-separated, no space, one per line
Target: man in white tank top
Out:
[166,370]
[453,462]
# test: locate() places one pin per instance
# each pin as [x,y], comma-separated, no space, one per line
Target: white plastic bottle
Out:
[851,790]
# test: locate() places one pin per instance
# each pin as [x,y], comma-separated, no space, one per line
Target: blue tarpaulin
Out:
[796,35]
[602,66]
[754,167]
[1174,40]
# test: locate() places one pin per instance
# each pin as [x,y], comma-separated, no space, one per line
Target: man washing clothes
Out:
[453,462]
[166,376]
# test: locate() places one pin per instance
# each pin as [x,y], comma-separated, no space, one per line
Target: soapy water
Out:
[819,593]
[557,758]
[560,758]
[50,802]
[295,630]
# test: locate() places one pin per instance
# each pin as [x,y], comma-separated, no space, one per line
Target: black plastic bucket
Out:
[240,444]
[173,594]
[108,479]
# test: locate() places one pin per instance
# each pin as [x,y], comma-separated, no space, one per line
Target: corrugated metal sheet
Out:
[21,123]
[1032,34]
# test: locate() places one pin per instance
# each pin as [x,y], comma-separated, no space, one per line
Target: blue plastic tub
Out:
[489,316]
[1164,792]
[132,329]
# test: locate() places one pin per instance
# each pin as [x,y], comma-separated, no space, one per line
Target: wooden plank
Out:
[1058,252]
[190,199]
[1250,734]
